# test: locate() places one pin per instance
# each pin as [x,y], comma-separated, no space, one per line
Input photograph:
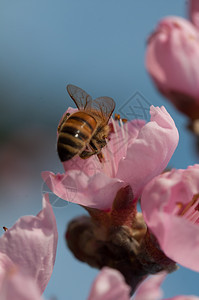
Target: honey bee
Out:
[84,132]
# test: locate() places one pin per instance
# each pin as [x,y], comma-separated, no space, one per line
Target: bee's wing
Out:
[79,96]
[102,107]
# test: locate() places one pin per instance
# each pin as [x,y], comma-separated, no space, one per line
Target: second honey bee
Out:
[84,132]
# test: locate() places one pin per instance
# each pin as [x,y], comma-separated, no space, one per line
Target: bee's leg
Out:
[90,150]
[101,157]
[93,150]
[98,145]
[86,154]
[62,121]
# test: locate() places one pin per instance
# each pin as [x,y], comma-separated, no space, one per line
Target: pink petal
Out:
[5,264]
[150,152]
[98,191]
[150,288]
[19,287]
[194,12]
[31,243]
[109,285]
[172,57]
[178,237]
[89,166]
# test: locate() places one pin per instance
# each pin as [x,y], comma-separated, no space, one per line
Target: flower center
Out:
[190,211]
[115,148]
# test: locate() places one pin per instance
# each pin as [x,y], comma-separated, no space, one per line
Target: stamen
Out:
[5,228]
[189,211]
[197,207]
[115,129]
[118,136]
[190,204]
[110,159]
[122,128]
[178,208]
[193,217]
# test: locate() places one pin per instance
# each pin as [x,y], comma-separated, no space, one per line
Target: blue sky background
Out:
[99,46]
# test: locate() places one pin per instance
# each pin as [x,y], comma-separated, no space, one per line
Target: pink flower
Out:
[170,205]
[31,245]
[110,285]
[134,155]
[172,61]
[194,12]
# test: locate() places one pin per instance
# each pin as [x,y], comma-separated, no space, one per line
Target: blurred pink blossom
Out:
[194,12]
[135,154]
[150,290]
[110,285]
[14,284]
[172,57]
[31,246]
[170,206]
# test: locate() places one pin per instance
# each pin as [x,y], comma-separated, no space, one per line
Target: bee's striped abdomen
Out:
[74,134]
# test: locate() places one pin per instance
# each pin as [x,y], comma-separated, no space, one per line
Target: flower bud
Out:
[172,58]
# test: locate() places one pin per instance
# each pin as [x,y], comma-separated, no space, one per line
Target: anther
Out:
[117,117]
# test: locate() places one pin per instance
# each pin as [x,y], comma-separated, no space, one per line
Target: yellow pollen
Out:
[176,25]
[124,120]
[191,37]
[117,117]
[179,205]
